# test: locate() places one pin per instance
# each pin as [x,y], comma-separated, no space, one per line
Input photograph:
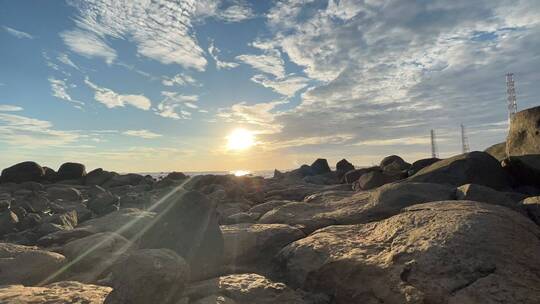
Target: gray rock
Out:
[149,276]
[22,172]
[532,207]
[374,179]
[8,222]
[128,222]
[394,163]
[320,166]
[440,252]
[343,166]
[92,256]
[498,151]
[56,293]
[98,177]
[479,193]
[71,171]
[187,223]
[27,265]
[469,168]
[421,164]
[245,288]
[103,203]
[64,193]
[352,176]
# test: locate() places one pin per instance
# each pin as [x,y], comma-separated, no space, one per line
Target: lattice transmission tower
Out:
[464,140]
[434,152]
[511,95]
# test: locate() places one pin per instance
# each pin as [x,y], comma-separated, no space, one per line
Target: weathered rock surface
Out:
[352,176]
[469,168]
[64,193]
[103,203]
[127,222]
[149,276]
[56,293]
[187,223]
[479,193]
[22,172]
[532,207]
[320,166]
[394,163]
[441,252]
[523,146]
[342,167]
[256,244]
[246,288]
[70,171]
[92,256]
[374,179]
[98,177]
[361,207]
[421,164]
[498,151]
[27,265]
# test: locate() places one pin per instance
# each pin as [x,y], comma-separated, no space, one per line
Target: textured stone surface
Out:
[441,252]
[56,293]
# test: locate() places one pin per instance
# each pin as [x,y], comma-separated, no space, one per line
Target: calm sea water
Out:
[264,173]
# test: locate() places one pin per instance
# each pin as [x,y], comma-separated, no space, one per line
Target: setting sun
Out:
[240,139]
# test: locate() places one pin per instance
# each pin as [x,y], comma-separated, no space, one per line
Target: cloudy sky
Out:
[158,85]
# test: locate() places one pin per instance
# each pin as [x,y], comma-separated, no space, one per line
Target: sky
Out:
[159,85]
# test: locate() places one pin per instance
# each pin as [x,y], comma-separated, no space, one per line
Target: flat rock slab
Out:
[57,293]
[455,252]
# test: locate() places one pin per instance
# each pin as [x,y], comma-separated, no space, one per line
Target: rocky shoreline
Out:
[457,230]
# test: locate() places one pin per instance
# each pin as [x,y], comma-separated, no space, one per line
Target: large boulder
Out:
[320,166]
[343,166]
[469,168]
[394,163]
[361,207]
[498,151]
[64,193]
[127,222]
[247,288]
[532,207]
[375,179]
[27,265]
[149,276]
[8,222]
[256,244]
[352,176]
[443,252]
[22,172]
[71,171]
[103,203]
[523,146]
[92,256]
[479,193]
[56,293]
[421,164]
[98,177]
[187,223]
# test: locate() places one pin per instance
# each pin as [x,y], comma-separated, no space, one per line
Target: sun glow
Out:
[240,139]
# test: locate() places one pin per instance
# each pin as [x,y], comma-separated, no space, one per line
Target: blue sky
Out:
[158,85]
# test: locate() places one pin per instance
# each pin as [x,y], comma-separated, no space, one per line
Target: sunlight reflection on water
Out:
[240,172]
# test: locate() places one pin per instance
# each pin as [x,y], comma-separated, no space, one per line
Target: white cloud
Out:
[89,45]
[173,105]
[64,58]
[397,141]
[160,29]
[214,53]
[24,132]
[16,33]
[59,90]
[112,99]
[142,134]
[178,79]
[10,108]
[259,115]
[228,11]
[287,86]
[270,62]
